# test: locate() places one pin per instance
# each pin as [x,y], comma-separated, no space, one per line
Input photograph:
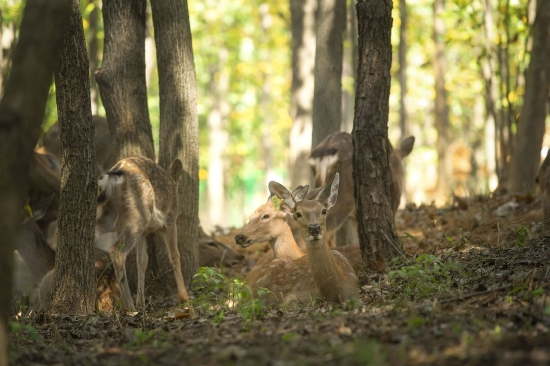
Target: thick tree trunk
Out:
[218,89]
[74,276]
[21,114]
[526,158]
[303,63]
[371,165]
[121,78]
[349,70]
[329,50]
[441,108]
[179,129]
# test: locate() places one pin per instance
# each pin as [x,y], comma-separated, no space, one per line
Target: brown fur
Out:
[45,182]
[213,253]
[320,272]
[339,145]
[138,197]
[543,180]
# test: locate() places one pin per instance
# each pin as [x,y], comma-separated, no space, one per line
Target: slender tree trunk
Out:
[303,63]
[218,90]
[526,158]
[403,113]
[93,42]
[371,165]
[74,276]
[327,92]
[265,98]
[441,108]
[349,69]
[179,128]
[21,114]
[121,78]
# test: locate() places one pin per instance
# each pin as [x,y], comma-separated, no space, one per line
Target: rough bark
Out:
[303,63]
[531,127]
[179,129]
[440,103]
[327,91]
[21,114]
[121,78]
[371,165]
[74,275]
[218,137]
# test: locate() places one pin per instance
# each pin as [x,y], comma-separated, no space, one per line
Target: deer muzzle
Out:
[314,230]
[242,241]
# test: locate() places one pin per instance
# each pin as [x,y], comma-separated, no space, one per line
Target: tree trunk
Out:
[218,89]
[121,78]
[526,158]
[93,43]
[74,276]
[303,63]
[371,165]
[329,51]
[441,108]
[403,114]
[179,128]
[21,114]
[349,69]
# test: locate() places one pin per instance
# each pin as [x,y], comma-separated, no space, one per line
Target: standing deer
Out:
[137,197]
[335,154]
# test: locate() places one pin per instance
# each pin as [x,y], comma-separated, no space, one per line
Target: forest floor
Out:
[473,291]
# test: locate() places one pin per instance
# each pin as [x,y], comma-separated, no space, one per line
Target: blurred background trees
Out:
[254,64]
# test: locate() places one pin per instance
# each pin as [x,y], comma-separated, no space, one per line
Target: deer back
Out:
[213,253]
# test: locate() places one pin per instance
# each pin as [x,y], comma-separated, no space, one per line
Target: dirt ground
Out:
[474,290]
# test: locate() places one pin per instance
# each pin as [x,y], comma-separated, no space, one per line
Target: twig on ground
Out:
[396,247]
[467,296]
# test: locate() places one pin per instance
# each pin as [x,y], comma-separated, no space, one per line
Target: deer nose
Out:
[314,229]
[240,238]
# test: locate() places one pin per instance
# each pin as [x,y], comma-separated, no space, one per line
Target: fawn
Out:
[137,197]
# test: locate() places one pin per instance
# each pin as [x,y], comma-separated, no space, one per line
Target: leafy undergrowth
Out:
[474,293]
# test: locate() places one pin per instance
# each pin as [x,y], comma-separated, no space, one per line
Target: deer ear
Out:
[288,205]
[406,146]
[328,194]
[300,193]
[176,169]
[40,208]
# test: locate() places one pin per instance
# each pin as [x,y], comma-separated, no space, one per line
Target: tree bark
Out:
[121,78]
[179,128]
[303,63]
[526,158]
[93,43]
[21,114]
[74,276]
[371,166]
[349,69]
[441,108]
[327,91]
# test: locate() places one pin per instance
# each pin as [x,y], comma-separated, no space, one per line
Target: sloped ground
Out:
[474,291]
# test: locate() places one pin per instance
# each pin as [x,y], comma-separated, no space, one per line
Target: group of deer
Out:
[136,197]
[286,271]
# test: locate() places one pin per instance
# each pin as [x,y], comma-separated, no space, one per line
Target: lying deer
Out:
[335,154]
[214,253]
[319,273]
[269,224]
[137,197]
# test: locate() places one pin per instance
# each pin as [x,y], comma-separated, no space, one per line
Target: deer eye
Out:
[324,212]
[298,215]
[266,216]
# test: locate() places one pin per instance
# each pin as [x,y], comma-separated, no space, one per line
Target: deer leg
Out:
[171,240]
[141,255]
[118,252]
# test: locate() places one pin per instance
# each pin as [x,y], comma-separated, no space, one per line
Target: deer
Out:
[137,197]
[319,273]
[543,181]
[214,253]
[335,154]
[269,224]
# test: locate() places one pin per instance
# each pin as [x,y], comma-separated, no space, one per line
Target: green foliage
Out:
[23,332]
[521,236]
[153,337]
[427,275]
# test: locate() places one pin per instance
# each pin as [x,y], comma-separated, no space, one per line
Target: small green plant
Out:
[522,236]
[415,322]
[249,305]
[23,333]
[211,288]
[427,275]
[142,337]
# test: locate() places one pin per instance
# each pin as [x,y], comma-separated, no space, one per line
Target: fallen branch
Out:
[467,296]
[396,248]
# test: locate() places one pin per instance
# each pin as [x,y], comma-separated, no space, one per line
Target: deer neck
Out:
[328,276]
[284,246]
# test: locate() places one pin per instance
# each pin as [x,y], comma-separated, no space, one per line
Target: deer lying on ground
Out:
[137,197]
[335,154]
[213,253]
[320,273]
[105,157]
[39,260]
[269,224]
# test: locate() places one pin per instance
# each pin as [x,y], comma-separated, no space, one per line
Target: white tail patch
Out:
[321,165]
